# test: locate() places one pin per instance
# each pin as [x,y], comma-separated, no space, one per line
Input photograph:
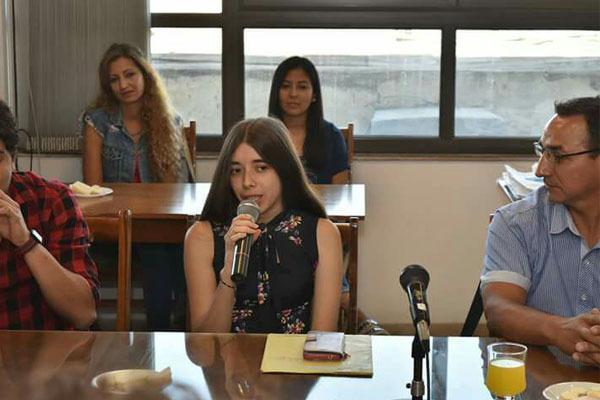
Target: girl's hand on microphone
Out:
[241,226]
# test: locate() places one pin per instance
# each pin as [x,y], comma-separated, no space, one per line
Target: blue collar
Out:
[561,219]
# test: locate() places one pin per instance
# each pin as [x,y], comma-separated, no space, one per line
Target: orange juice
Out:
[506,377]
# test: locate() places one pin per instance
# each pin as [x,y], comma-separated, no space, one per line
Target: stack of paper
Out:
[517,184]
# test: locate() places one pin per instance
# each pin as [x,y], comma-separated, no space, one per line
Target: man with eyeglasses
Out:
[47,279]
[541,277]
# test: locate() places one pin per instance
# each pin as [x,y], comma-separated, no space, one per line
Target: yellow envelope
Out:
[283,354]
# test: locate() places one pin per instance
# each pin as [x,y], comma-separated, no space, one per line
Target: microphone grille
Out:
[414,273]
[249,207]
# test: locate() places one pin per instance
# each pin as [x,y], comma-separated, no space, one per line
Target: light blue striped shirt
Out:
[535,244]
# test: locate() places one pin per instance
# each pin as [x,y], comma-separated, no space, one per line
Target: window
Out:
[376,83]
[506,81]
[189,62]
[186,6]
[439,76]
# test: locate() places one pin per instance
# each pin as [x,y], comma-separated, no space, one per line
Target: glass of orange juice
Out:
[506,370]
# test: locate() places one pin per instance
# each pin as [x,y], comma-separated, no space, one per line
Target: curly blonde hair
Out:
[165,139]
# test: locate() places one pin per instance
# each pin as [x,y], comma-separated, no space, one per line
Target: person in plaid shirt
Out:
[47,278]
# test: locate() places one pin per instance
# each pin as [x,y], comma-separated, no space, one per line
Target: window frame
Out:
[447,16]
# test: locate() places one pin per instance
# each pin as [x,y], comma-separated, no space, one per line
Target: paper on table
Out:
[517,184]
[283,354]
[517,189]
[526,179]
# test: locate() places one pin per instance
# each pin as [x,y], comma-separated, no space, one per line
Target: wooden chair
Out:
[348,134]
[117,230]
[349,235]
[190,137]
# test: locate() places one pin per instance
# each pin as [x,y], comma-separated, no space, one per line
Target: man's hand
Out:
[587,350]
[12,225]
[571,331]
[509,317]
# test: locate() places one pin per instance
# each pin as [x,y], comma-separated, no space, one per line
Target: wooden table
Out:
[228,366]
[162,212]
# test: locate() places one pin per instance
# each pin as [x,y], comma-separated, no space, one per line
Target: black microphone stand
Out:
[417,387]
[414,280]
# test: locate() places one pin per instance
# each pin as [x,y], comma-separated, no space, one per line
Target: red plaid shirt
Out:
[50,209]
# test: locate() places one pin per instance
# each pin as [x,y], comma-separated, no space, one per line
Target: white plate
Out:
[125,381]
[553,392]
[103,192]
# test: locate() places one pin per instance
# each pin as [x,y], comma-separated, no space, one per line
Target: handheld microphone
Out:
[241,250]
[414,280]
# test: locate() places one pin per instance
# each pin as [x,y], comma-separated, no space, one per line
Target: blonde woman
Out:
[131,134]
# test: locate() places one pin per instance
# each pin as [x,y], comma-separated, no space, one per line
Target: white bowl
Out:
[553,392]
[126,381]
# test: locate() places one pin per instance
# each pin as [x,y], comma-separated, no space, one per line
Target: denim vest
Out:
[119,150]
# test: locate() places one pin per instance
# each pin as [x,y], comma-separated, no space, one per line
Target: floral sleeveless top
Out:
[277,293]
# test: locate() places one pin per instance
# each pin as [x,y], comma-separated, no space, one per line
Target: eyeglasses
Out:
[555,156]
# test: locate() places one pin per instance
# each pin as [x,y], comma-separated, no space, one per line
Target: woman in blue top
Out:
[295,269]
[296,100]
[131,134]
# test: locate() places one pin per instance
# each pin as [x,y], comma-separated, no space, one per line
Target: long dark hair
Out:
[315,141]
[270,139]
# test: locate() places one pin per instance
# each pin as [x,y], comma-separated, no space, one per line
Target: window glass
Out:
[189,62]
[507,81]
[186,6]
[386,82]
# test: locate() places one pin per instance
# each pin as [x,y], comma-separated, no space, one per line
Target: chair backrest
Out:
[348,134]
[190,137]
[349,236]
[474,314]
[117,230]
[476,309]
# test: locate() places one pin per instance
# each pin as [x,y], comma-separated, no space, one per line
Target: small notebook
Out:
[284,354]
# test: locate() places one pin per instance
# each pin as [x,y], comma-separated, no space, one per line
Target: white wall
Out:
[429,212]
[432,213]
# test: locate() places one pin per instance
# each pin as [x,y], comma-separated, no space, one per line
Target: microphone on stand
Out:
[414,280]
[241,250]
